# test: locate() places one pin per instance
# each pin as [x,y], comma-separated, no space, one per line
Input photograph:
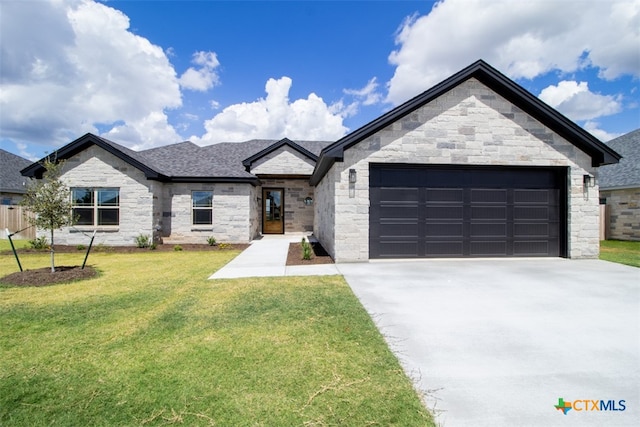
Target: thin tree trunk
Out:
[53,268]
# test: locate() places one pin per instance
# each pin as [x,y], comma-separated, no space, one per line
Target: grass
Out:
[152,342]
[623,252]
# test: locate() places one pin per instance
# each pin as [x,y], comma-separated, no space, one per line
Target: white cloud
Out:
[575,101]
[276,117]
[368,94]
[522,39]
[81,70]
[203,78]
[594,129]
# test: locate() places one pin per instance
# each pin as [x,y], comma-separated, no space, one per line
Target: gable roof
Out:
[10,179]
[132,157]
[184,161]
[270,149]
[625,174]
[499,83]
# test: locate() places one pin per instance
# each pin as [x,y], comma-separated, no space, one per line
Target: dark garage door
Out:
[419,211]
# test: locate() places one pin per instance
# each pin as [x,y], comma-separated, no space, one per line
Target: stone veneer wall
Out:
[283,161]
[325,213]
[97,168]
[625,213]
[298,217]
[469,125]
[231,213]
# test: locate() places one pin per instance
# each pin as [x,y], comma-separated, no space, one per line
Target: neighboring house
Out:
[12,184]
[620,188]
[474,167]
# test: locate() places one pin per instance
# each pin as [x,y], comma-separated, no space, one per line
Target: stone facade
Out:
[468,125]
[624,209]
[231,213]
[298,217]
[283,161]
[96,168]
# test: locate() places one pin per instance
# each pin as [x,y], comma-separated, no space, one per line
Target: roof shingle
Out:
[625,174]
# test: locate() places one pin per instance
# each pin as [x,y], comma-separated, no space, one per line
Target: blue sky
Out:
[150,73]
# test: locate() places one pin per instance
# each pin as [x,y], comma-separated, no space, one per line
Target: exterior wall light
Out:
[308,201]
[352,176]
[589,181]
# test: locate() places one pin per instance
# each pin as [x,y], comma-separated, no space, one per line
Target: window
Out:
[202,207]
[96,206]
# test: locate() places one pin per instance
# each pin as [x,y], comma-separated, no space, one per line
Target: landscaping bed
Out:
[318,256]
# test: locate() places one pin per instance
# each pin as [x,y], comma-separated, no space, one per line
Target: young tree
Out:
[50,199]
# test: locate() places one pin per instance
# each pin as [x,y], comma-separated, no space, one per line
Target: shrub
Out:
[211,241]
[39,243]
[153,246]
[143,241]
[81,247]
[177,248]
[306,249]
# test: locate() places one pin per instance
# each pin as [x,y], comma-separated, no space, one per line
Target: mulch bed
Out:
[44,276]
[319,256]
[63,249]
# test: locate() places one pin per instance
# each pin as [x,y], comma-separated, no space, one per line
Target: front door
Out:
[272,211]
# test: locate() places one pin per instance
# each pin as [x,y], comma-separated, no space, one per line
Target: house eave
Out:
[254,181]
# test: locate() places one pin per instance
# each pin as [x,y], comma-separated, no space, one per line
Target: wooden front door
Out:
[272,210]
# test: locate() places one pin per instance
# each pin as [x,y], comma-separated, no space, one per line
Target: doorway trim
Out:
[270,209]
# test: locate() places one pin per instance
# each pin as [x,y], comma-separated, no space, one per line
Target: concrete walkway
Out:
[267,257]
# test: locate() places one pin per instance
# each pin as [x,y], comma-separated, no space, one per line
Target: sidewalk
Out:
[267,258]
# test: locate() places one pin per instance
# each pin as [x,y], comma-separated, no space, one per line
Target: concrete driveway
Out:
[498,342]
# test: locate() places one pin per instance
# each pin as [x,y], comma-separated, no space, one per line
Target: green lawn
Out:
[152,342]
[623,252]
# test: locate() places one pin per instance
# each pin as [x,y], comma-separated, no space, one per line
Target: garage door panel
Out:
[439,229]
[467,212]
[399,194]
[488,196]
[479,248]
[533,248]
[444,195]
[398,229]
[444,249]
[488,212]
[396,211]
[440,212]
[543,213]
[484,229]
[398,249]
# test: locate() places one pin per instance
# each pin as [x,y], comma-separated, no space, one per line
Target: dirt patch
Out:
[133,249]
[319,255]
[44,276]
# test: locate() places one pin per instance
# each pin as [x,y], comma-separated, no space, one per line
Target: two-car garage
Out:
[419,211]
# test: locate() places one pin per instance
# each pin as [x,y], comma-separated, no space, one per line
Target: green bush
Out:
[211,241]
[306,249]
[39,243]
[143,241]
[81,247]
[177,248]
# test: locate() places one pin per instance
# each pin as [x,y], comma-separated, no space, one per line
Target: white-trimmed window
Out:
[96,206]
[202,207]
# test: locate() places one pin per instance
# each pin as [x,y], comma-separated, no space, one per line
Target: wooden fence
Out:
[14,218]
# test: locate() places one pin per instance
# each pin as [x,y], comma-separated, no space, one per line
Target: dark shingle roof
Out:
[185,161]
[625,174]
[10,166]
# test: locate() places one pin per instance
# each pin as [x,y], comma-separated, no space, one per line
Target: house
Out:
[474,167]
[12,183]
[620,188]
